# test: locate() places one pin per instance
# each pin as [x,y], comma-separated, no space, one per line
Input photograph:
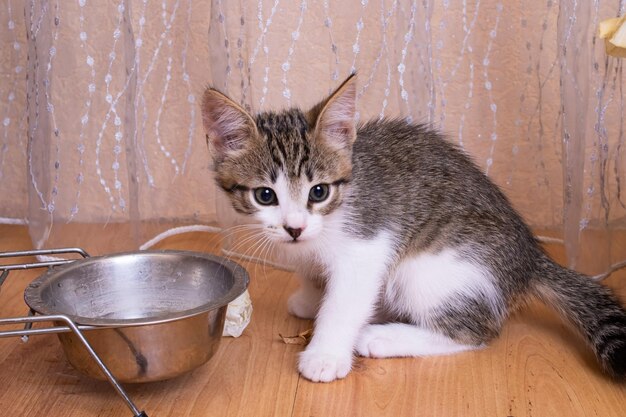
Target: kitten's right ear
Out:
[335,116]
[229,127]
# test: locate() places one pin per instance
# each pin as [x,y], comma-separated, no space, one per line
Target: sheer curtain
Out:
[100,121]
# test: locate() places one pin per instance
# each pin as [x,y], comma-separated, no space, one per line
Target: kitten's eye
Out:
[319,193]
[265,196]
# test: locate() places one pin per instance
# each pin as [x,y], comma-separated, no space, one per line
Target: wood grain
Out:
[538,367]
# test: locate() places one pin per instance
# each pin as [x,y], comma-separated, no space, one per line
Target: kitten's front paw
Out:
[302,306]
[323,366]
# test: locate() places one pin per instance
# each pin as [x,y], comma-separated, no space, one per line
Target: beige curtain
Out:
[100,121]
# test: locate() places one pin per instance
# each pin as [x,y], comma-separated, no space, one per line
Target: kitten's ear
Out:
[335,116]
[229,127]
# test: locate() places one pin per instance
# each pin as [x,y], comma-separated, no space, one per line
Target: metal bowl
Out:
[155,314]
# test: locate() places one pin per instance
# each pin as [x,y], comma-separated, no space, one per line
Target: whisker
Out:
[246,244]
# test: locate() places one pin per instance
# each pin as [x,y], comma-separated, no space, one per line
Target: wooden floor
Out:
[536,368]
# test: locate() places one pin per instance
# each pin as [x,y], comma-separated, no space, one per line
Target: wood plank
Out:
[255,370]
[538,367]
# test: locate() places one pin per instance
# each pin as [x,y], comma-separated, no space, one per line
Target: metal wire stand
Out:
[70,325]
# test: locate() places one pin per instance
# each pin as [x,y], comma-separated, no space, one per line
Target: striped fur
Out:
[412,232]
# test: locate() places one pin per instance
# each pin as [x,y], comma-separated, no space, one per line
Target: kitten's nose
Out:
[294,233]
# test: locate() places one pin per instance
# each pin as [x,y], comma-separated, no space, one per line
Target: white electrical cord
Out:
[548,239]
[615,267]
[211,229]
[612,268]
[11,220]
[177,231]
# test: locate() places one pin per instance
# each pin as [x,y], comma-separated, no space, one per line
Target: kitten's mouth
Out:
[294,242]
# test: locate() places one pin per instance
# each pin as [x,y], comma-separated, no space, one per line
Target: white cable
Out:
[212,229]
[612,268]
[599,277]
[547,239]
[161,236]
[11,220]
[177,231]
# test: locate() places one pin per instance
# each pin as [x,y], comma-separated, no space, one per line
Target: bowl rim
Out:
[34,290]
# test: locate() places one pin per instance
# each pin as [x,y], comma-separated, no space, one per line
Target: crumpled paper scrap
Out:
[613,31]
[238,315]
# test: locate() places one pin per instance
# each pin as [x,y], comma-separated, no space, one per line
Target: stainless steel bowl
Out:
[156,314]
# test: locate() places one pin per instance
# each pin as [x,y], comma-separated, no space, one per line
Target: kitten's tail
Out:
[591,307]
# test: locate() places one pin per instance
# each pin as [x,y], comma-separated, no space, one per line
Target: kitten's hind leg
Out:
[305,301]
[403,340]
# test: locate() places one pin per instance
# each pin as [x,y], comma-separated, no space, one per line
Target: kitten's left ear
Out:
[335,121]
[229,127]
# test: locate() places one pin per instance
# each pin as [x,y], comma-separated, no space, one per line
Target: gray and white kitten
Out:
[403,246]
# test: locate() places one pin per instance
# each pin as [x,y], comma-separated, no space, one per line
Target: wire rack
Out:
[67,327]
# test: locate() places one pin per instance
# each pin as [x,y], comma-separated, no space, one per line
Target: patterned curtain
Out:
[100,120]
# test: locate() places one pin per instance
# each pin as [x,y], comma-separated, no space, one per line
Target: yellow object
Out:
[613,31]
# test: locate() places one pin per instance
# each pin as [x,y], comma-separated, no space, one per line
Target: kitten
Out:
[403,246]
